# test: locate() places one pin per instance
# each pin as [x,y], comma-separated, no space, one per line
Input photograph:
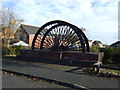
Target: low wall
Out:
[38,55]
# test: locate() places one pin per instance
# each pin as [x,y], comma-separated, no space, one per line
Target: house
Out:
[116,44]
[26,33]
[97,43]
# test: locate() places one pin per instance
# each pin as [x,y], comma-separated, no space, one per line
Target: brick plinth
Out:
[89,57]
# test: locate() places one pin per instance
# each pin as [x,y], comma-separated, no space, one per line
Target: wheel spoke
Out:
[59,34]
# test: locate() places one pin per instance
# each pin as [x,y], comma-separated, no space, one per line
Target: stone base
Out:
[70,57]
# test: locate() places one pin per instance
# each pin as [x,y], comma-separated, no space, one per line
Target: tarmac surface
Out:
[12,81]
[60,75]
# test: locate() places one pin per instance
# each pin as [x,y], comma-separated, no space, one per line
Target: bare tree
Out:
[83,29]
[9,24]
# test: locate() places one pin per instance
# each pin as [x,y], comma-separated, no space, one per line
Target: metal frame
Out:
[52,25]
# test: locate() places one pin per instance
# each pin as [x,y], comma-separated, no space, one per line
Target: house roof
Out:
[116,44]
[30,29]
[97,42]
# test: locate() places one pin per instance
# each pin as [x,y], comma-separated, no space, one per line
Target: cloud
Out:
[95,15]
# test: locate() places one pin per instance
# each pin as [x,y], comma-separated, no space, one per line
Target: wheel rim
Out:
[60,36]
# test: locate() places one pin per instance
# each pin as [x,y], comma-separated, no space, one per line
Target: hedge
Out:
[111,55]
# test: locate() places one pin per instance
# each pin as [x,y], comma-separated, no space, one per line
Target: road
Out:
[13,81]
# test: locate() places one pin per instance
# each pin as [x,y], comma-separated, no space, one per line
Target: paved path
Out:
[55,74]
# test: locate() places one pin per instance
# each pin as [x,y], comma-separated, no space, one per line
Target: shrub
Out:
[5,50]
[13,50]
[94,49]
[111,55]
[115,55]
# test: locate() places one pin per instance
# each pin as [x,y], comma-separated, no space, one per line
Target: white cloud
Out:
[95,15]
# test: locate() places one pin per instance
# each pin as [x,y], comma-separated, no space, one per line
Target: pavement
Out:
[11,81]
[82,80]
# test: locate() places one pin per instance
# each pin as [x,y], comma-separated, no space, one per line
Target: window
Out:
[24,37]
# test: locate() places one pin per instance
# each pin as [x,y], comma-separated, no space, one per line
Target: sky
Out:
[99,17]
